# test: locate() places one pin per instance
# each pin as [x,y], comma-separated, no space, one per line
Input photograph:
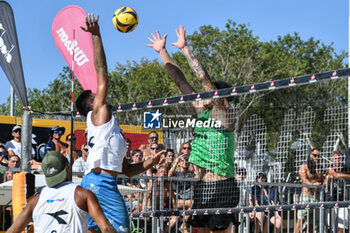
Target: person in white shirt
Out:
[14,146]
[61,206]
[80,164]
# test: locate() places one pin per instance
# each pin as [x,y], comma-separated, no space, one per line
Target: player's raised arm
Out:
[194,63]
[158,44]
[98,102]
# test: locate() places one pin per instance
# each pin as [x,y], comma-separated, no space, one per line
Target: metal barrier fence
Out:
[323,209]
[163,204]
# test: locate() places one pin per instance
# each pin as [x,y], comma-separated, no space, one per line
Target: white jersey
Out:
[56,211]
[106,145]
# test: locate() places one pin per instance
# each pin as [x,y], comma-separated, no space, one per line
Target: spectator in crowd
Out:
[79,165]
[169,158]
[14,146]
[153,137]
[154,148]
[136,156]
[128,150]
[14,162]
[260,195]
[167,201]
[337,170]
[310,174]
[180,168]
[55,142]
[3,155]
[71,140]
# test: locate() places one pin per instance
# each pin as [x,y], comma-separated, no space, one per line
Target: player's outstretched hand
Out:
[181,37]
[157,156]
[158,43]
[91,24]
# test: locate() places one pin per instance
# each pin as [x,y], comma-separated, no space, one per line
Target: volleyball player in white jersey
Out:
[106,142]
[62,207]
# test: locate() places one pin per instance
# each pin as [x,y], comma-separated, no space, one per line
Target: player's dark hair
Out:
[82,103]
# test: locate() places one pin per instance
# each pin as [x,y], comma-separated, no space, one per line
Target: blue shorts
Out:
[112,202]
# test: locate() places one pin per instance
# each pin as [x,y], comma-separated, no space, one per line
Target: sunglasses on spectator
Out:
[187,148]
[316,155]
[86,149]
[3,153]
[17,130]
[154,148]
[155,137]
[57,131]
[262,176]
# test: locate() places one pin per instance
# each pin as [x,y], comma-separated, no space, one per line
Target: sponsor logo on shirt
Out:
[55,200]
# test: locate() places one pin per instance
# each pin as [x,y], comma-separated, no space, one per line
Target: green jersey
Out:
[213,147]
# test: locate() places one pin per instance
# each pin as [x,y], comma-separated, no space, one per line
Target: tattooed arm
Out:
[221,108]
[194,63]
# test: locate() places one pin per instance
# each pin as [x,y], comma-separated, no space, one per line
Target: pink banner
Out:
[66,24]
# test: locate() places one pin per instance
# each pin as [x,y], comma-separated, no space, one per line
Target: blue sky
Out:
[326,20]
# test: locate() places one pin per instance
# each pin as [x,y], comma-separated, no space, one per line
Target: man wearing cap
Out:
[62,206]
[55,142]
[106,142]
[14,146]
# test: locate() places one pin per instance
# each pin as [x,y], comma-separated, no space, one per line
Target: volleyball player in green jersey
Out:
[212,147]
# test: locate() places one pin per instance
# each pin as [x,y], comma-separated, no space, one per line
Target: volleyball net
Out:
[276,123]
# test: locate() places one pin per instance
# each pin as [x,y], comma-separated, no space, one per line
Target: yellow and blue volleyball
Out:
[125,19]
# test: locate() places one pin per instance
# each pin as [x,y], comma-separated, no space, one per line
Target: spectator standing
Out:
[310,174]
